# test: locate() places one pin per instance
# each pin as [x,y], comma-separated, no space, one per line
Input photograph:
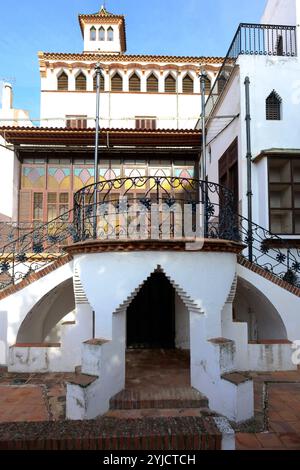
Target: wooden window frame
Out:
[293,209]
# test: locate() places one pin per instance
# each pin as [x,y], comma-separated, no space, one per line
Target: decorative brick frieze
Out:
[269,276]
[35,276]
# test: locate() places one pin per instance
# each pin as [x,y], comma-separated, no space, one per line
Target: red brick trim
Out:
[104,246]
[36,345]
[269,276]
[35,276]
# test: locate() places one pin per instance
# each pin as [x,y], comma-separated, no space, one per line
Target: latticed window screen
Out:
[101,83]
[76,122]
[63,81]
[170,84]
[152,84]
[273,107]
[134,83]
[116,83]
[207,86]
[38,206]
[188,84]
[80,82]
[145,123]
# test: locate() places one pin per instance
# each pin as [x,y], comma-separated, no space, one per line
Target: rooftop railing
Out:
[255,40]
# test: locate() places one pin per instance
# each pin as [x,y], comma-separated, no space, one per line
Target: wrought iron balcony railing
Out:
[253,39]
[154,207]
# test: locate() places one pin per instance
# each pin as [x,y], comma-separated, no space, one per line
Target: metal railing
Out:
[253,39]
[156,207]
[146,203]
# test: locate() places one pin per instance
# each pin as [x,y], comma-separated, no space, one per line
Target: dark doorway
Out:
[151,315]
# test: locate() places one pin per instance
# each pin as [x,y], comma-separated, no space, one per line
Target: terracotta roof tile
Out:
[126,58]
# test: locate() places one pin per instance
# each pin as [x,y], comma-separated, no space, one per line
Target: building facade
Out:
[79,288]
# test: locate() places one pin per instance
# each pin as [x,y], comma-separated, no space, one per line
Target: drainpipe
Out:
[203,77]
[249,168]
[98,74]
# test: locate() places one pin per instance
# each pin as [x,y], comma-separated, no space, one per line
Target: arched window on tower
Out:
[221,84]
[188,85]
[101,34]
[110,34]
[273,107]
[117,82]
[93,33]
[101,82]
[170,84]
[152,84]
[80,82]
[207,86]
[63,82]
[135,83]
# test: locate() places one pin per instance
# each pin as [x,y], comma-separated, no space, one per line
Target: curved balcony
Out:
[154,208]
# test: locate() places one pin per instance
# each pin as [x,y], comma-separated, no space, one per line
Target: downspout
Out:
[249,169]
[96,161]
[203,184]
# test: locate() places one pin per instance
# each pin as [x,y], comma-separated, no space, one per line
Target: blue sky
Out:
[176,27]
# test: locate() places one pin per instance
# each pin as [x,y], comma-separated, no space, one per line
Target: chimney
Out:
[7,97]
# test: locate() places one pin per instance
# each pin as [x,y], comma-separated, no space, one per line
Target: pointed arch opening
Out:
[134,83]
[93,33]
[170,84]
[152,84]
[188,85]
[117,82]
[101,34]
[110,34]
[63,81]
[273,107]
[207,86]
[80,82]
[101,82]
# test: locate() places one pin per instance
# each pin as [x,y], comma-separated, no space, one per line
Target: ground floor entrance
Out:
[151,315]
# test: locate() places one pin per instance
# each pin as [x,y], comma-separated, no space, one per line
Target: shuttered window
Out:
[207,86]
[63,82]
[101,82]
[145,123]
[76,122]
[38,207]
[273,107]
[134,83]
[170,84]
[152,84]
[80,82]
[25,206]
[116,83]
[188,85]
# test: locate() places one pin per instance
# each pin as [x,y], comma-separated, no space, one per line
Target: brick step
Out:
[162,398]
[185,433]
[160,413]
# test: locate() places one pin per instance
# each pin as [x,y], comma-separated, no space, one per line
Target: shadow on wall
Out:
[254,308]
[47,313]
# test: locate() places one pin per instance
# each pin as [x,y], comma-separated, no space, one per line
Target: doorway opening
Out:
[150,317]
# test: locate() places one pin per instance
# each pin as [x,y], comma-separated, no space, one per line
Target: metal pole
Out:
[96,162]
[249,169]
[203,77]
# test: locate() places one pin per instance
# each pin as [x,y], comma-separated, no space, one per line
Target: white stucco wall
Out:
[182,324]
[8,181]
[280,12]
